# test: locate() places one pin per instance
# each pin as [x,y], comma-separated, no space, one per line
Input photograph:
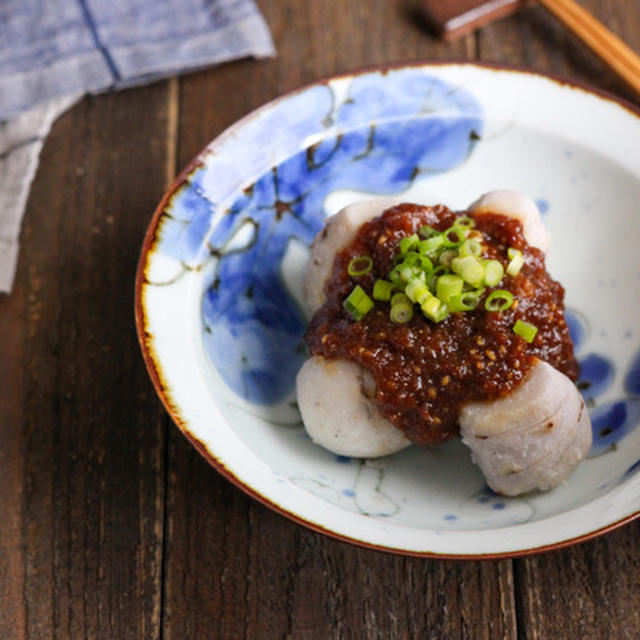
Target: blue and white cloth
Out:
[54,51]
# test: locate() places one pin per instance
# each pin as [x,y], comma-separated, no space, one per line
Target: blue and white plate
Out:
[220,318]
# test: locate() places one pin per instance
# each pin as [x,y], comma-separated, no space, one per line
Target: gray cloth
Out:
[54,51]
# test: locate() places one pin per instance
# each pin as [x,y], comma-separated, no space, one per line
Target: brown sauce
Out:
[426,372]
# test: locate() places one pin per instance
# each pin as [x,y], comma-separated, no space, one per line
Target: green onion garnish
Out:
[448,285]
[454,236]
[417,291]
[408,242]
[406,273]
[464,221]
[471,247]
[444,272]
[525,330]
[360,265]
[493,272]
[401,312]
[466,301]
[395,277]
[434,309]
[358,303]
[516,261]
[447,256]
[382,290]
[498,300]
[469,269]
[411,258]
[427,231]
[425,264]
[431,244]
[399,297]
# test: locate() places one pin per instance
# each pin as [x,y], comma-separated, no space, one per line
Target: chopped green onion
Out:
[464,221]
[448,285]
[516,261]
[406,273]
[453,236]
[447,256]
[433,277]
[498,300]
[360,265]
[399,297]
[493,272]
[427,231]
[441,314]
[426,264]
[431,244]
[525,330]
[395,277]
[358,303]
[382,290]
[434,309]
[408,243]
[466,301]
[469,269]
[401,312]
[411,258]
[440,270]
[419,272]
[471,247]
[417,291]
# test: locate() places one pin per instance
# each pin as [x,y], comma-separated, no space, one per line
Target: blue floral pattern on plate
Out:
[253,327]
[613,420]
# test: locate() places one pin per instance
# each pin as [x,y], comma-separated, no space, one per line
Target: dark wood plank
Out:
[588,591]
[13,312]
[85,472]
[233,568]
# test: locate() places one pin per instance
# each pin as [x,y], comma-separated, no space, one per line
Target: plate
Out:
[218,293]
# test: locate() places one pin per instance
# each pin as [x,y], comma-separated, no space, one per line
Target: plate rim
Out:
[152,360]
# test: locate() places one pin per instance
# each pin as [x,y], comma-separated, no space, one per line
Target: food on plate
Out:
[350,423]
[429,324]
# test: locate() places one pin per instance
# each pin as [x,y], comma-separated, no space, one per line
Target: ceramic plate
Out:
[220,318]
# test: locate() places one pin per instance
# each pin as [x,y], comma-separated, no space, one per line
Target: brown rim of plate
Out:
[155,371]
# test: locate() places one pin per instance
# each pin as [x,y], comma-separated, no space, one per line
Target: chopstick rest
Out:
[450,19]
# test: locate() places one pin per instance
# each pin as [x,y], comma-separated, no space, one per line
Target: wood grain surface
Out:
[112,526]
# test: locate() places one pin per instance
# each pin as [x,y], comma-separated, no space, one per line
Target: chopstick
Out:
[618,56]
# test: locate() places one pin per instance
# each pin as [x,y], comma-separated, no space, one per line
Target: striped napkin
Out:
[52,52]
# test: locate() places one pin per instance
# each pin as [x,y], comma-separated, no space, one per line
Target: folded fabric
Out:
[53,51]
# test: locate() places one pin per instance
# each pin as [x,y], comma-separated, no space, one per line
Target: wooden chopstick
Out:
[618,56]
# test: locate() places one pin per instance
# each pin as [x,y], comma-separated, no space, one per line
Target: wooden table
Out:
[111,525]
